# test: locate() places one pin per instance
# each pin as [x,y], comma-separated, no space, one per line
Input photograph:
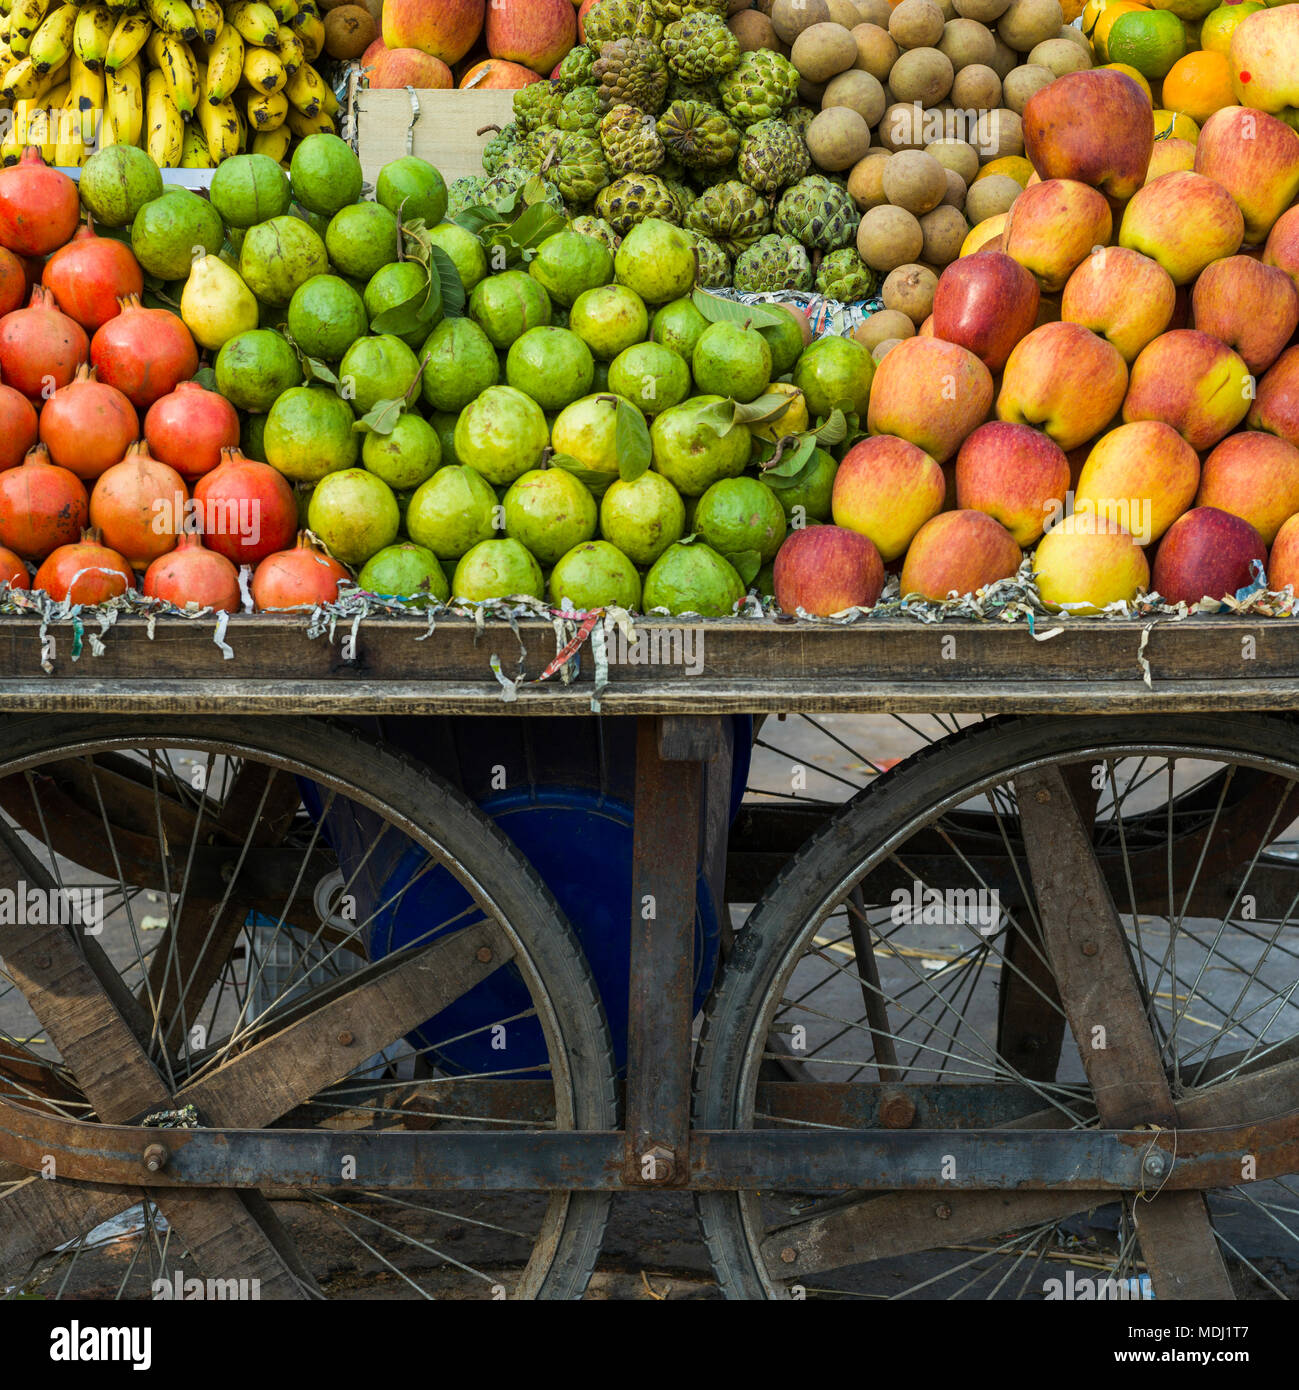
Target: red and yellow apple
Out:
[1254,476]
[404,67]
[886,489]
[929,392]
[1255,158]
[1276,407]
[1282,249]
[1192,382]
[1065,380]
[1124,296]
[1017,475]
[1052,227]
[446,30]
[496,74]
[1141,476]
[1169,156]
[1207,553]
[536,33]
[959,553]
[1091,126]
[1251,307]
[986,304]
[1183,221]
[1087,562]
[825,569]
[1283,562]
[1264,73]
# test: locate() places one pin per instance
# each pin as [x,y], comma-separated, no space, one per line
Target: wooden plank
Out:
[441,127]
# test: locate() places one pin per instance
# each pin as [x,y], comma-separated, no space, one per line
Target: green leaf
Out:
[718,416]
[316,370]
[476,218]
[414,315]
[631,442]
[205,377]
[717,310]
[382,417]
[596,483]
[762,411]
[453,289]
[834,430]
[779,481]
[792,461]
[747,564]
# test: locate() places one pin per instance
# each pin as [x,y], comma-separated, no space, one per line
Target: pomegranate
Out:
[85,572]
[299,578]
[18,427]
[12,571]
[189,428]
[88,425]
[42,506]
[90,275]
[192,574]
[140,506]
[247,508]
[143,352]
[40,346]
[39,207]
[14,289]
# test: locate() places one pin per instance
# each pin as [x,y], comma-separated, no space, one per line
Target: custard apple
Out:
[732,214]
[714,263]
[598,228]
[773,263]
[631,143]
[579,170]
[537,104]
[700,47]
[608,20]
[772,156]
[575,71]
[761,86]
[819,213]
[631,71]
[633,198]
[698,135]
[844,276]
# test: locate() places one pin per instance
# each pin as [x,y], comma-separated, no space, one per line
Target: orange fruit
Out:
[1014,166]
[1189,11]
[1220,24]
[1131,72]
[1150,42]
[1199,85]
[1098,30]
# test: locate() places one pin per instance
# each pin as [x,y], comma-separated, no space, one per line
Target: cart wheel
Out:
[216,965]
[914,949]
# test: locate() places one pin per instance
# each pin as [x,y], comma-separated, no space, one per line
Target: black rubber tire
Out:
[447,824]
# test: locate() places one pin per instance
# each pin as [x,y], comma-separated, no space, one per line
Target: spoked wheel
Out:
[1051,923]
[278,923]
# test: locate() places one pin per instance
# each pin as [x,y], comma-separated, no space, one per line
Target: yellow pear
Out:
[215,303]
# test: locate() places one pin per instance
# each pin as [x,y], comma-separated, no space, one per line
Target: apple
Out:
[1184,221]
[1017,475]
[1142,476]
[1091,126]
[959,553]
[1053,226]
[1088,562]
[1251,307]
[1190,381]
[1169,156]
[985,235]
[1255,158]
[825,569]
[986,304]
[1282,249]
[495,74]
[1254,476]
[1124,296]
[931,393]
[536,33]
[1065,380]
[1207,553]
[446,30]
[404,67]
[1283,563]
[886,489]
[1276,407]
[1264,73]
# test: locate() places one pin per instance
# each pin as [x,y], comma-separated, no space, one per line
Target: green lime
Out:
[1149,40]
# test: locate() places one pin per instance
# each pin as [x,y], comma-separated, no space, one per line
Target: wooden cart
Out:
[1041,968]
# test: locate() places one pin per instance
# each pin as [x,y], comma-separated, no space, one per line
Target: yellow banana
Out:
[124,104]
[89,95]
[52,43]
[266,110]
[255,21]
[306,90]
[291,54]
[24,20]
[302,125]
[172,57]
[273,143]
[120,6]
[165,131]
[209,18]
[21,83]
[310,29]
[91,34]
[284,9]
[263,71]
[332,106]
[219,121]
[225,65]
[172,17]
[242,123]
[70,146]
[129,36]
[194,153]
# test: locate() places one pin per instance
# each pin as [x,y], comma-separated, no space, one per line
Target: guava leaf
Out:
[205,377]
[718,416]
[537,223]
[412,315]
[474,219]
[596,483]
[792,461]
[631,442]
[779,481]
[762,411]
[747,564]
[382,416]
[453,289]
[316,370]
[834,430]
[717,310]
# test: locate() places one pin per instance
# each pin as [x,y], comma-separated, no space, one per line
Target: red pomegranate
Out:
[14,289]
[189,428]
[193,574]
[41,347]
[18,427]
[12,571]
[85,572]
[39,207]
[143,352]
[88,425]
[90,275]
[42,506]
[248,509]
[299,578]
[140,506]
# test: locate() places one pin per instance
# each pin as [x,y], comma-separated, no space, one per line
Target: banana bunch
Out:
[190,81]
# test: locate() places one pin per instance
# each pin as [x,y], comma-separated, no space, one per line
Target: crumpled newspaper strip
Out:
[1012,600]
